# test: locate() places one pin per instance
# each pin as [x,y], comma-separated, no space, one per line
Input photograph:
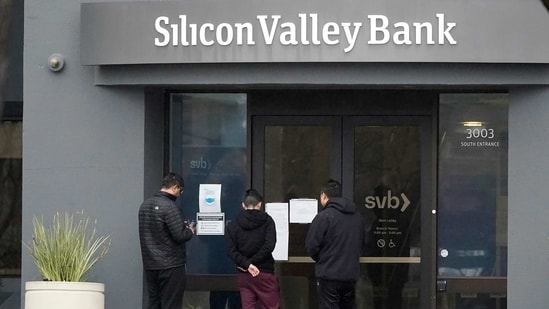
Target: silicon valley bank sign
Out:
[208,31]
[308,31]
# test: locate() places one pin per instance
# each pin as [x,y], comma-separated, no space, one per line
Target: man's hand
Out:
[253,270]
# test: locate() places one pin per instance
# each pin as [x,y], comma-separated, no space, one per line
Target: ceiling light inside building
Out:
[472,123]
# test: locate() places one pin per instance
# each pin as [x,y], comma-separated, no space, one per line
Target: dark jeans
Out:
[333,294]
[166,287]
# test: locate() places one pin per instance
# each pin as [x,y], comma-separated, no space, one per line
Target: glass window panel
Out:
[10,197]
[10,211]
[297,163]
[208,146]
[387,189]
[387,183]
[472,185]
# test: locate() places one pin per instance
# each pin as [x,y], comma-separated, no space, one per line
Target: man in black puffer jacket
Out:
[163,234]
[251,241]
[335,241]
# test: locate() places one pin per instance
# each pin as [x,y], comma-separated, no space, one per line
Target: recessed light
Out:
[472,123]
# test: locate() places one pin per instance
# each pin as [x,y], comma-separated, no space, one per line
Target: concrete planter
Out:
[64,295]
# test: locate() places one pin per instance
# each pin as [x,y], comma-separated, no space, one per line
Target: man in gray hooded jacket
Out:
[335,241]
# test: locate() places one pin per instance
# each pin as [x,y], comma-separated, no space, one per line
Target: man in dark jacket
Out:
[163,234]
[251,241]
[335,241]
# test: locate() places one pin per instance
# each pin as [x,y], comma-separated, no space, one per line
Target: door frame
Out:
[343,138]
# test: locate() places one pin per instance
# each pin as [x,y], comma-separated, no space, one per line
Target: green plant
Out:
[67,249]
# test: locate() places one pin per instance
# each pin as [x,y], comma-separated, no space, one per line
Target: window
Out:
[10,210]
[10,197]
[208,146]
[472,185]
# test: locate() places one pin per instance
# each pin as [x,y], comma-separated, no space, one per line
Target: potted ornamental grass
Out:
[64,252]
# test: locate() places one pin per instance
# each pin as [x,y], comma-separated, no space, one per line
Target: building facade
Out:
[432,114]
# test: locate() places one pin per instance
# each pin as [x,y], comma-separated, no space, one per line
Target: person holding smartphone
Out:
[162,235]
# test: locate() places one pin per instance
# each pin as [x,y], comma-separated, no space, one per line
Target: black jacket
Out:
[252,239]
[162,233]
[336,240]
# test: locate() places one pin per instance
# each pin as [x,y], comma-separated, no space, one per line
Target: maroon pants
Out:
[262,289]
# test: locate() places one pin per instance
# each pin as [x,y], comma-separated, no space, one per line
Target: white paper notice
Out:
[303,210]
[210,223]
[279,213]
[209,198]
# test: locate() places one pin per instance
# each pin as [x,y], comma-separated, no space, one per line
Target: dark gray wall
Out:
[82,148]
[357,74]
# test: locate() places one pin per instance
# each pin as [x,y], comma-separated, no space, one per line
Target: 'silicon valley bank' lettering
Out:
[307,31]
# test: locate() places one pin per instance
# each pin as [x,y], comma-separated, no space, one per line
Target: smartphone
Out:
[192,224]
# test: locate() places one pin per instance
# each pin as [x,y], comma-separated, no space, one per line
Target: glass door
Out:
[387,168]
[384,164]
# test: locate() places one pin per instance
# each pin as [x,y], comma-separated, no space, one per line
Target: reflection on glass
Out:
[11,167]
[387,186]
[297,163]
[471,300]
[386,176]
[10,197]
[208,146]
[472,185]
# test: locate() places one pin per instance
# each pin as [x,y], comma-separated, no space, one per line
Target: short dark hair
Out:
[251,198]
[332,188]
[172,179]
